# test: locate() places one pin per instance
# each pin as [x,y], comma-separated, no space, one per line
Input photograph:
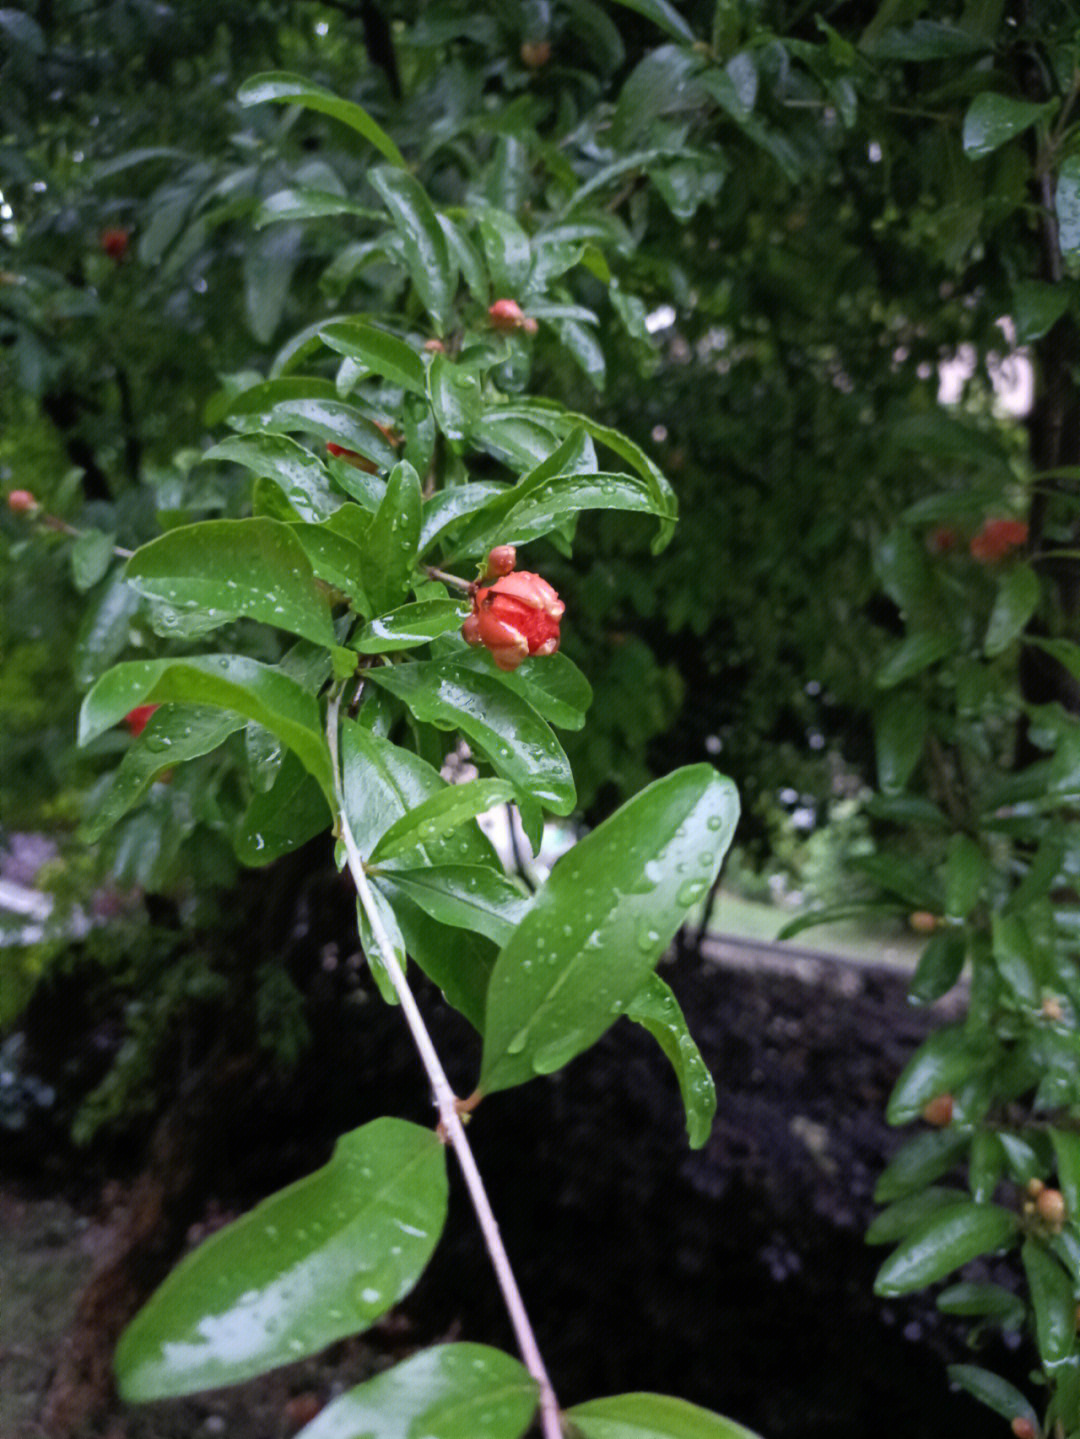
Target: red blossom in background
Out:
[138,718]
[22,502]
[514,618]
[942,540]
[507,315]
[997,538]
[114,243]
[358,462]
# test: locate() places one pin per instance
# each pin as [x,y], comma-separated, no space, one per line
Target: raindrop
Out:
[518,1043]
[691,891]
[714,821]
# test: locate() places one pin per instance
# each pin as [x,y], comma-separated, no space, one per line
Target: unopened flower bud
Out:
[996,538]
[923,922]
[500,561]
[1051,1008]
[1023,1428]
[514,618]
[1050,1207]
[138,718]
[114,243]
[506,315]
[350,457]
[22,502]
[434,347]
[535,53]
[939,1110]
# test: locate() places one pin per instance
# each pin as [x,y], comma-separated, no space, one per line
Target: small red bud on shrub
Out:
[138,718]
[1023,1428]
[938,1111]
[500,561]
[942,540]
[506,315]
[1050,1207]
[358,462]
[514,618]
[923,922]
[435,347]
[996,538]
[22,502]
[1051,1008]
[114,243]
[535,54]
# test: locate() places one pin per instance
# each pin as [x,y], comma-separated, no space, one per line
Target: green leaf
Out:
[314,1263]
[900,733]
[105,630]
[977,1301]
[303,203]
[940,966]
[392,540]
[913,655]
[515,739]
[439,814]
[411,625]
[906,1214]
[651,1416]
[450,1391]
[919,1162]
[373,949]
[993,120]
[466,896]
[1017,599]
[598,926]
[381,782]
[515,440]
[942,1062]
[663,496]
[993,1391]
[965,875]
[296,90]
[1067,205]
[173,734]
[943,1243]
[447,507]
[657,1010]
[426,252]
[552,684]
[927,40]
[253,567]
[335,559]
[455,397]
[1037,306]
[1052,1299]
[382,353]
[583,346]
[299,475]
[1015,957]
[299,404]
[91,556]
[291,812]
[1067,1149]
[232,682]
[458,960]
[506,247]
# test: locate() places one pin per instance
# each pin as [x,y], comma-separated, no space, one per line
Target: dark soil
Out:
[735,1276]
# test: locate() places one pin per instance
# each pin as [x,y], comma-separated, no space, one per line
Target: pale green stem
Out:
[446,1103]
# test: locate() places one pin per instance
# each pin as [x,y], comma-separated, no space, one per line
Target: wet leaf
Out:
[289,89]
[656,1009]
[651,1416]
[943,1243]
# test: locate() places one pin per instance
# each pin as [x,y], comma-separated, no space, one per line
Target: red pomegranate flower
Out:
[138,718]
[23,502]
[507,315]
[114,243]
[514,618]
[997,538]
[358,462]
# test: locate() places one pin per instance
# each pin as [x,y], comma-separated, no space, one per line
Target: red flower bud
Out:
[358,462]
[1023,1428]
[939,1111]
[138,718]
[500,561]
[535,53]
[435,347]
[1050,1206]
[114,243]
[941,540]
[506,315]
[22,502]
[997,538]
[515,617]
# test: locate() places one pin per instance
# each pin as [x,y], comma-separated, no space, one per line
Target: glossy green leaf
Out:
[552,684]
[315,1262]
[105,630]
[382,353]
[300,476]
[600,923]
[518,441]
[466,896]
[336,560]
[656,1009]
[993,1391]
[298,404]
[439,814]
[381,782]
[515,739]
[900,734]
[1067,1149]
[448,507]
[1037,305]
[507,250]
[232,682]
[373,950]
[1052,1299]
[458,960]
[305,203]
[942,1062]
[1016,602]
[900,1218]
[463,254]
[663,496]
[278,820]
[450,1391]
[993,120]
[1067,205]
[965,875]
[913,655]
[926,40]
[91,556]
[253,567]
[1016,958]
[455,396]
[297,90]
[651,1416]
[940,966]
[411,625]
[986,1163]
[426,252]
[173,734]
[943,1243]
[919,1162]
[977,1301]
[391,543]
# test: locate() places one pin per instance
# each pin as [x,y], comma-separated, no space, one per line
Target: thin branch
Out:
[447,1103]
